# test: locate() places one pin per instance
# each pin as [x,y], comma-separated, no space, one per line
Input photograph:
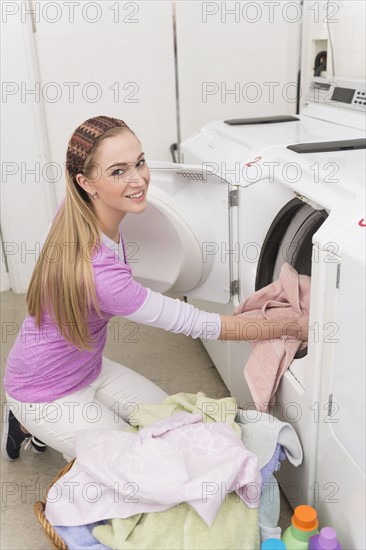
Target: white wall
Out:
[27,200]
[122,64]
[248,47]
[347,28]
[5,279]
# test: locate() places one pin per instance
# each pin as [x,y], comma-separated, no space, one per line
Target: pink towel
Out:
[286,298]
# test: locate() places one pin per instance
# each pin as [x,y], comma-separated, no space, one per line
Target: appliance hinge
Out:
[338,275]
[234,287]
[233,198]
[330,405]
[313,204]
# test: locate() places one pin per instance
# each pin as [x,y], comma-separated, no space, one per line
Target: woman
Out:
[57,381]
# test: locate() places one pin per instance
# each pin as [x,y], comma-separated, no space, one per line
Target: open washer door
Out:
[177,243]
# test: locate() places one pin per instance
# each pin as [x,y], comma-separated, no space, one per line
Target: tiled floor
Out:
[173,361]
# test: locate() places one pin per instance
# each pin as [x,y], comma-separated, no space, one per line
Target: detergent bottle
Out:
[304,524]
[326,540]
[273,544]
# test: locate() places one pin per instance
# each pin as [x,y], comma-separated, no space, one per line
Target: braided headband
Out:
[83,139]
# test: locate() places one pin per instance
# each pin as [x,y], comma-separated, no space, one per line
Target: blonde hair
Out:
[64,285]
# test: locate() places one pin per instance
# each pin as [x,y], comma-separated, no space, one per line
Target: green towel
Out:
[212,410]
[235,528]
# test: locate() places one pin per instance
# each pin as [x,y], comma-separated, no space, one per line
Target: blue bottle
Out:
[273,544]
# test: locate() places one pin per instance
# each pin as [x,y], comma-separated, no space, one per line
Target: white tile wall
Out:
[25,198]
[230,51]
[131,65]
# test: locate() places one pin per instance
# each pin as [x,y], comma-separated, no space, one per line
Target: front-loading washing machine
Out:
[317,225]
[199,216]
[339,489]
[319,228]
[332,110]
[289,226]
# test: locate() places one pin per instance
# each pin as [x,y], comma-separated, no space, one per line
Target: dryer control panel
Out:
[344,94]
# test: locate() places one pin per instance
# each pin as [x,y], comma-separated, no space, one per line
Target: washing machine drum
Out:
[289,239]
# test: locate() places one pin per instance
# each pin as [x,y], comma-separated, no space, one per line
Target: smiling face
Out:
[120,179]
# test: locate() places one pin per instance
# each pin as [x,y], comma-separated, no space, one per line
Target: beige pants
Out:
[107,403]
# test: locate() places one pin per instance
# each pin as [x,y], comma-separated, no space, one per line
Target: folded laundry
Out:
[286,298]
[178,459]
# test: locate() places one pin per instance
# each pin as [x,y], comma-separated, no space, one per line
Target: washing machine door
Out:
[180,243]
[289,239]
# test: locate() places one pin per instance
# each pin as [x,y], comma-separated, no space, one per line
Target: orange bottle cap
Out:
[305,518]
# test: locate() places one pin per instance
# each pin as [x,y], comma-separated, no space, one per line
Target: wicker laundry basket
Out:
[39,507]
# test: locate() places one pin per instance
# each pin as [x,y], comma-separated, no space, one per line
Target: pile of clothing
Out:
[191,472]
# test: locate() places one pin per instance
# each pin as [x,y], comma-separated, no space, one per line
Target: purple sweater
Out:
[42,366]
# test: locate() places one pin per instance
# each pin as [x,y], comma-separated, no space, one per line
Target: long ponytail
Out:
[62,282]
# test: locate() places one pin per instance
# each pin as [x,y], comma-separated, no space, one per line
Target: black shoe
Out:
[13,437]
[37,445]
